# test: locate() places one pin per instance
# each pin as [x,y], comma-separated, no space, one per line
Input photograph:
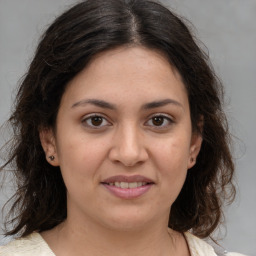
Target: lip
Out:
[134,178]
[128,193]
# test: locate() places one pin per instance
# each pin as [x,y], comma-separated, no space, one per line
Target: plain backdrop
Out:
[226,27]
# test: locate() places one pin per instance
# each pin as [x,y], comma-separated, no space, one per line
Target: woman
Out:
[121,145]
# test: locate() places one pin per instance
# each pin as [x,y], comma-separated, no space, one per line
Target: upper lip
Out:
[122,178]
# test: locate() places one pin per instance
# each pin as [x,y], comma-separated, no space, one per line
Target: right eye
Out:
[95,121]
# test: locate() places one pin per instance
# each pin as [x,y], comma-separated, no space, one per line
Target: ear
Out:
[195,145]
[48,143]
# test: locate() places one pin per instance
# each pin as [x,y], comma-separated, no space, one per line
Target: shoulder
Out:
[28,246]
[199,247]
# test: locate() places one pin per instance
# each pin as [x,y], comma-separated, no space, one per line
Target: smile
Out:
[127,184]
[128,187]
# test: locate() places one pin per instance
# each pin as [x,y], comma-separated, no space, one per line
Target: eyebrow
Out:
[107,105]
[161,103]
[95,102]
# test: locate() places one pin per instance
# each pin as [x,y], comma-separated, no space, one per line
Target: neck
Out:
[69,239]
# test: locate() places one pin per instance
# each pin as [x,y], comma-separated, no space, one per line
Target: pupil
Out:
[158,120]
[96,121]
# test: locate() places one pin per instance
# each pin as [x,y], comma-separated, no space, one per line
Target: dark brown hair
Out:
[67,46]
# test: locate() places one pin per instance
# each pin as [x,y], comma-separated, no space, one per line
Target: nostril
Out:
[128,155]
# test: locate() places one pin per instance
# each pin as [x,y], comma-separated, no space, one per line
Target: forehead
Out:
[133,59]
[128,73]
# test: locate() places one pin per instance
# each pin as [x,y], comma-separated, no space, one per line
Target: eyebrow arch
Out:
[98,103]
[107,105]
[161,103]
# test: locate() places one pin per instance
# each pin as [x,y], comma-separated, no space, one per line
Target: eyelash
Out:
[166,118]
[89,118]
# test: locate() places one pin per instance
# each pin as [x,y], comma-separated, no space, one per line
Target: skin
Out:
[126,141]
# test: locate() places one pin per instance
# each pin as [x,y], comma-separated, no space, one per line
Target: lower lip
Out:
[128,193]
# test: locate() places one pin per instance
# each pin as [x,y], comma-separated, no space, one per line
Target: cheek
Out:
[79,164]
[172,154]
[171,160]
[80,158]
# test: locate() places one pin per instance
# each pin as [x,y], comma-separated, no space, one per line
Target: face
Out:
[123,141]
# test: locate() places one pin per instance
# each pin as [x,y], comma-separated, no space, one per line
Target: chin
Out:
[129,220]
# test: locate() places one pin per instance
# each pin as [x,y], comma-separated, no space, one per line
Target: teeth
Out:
[117,184]
[128,184]
[124,185]
[134,185]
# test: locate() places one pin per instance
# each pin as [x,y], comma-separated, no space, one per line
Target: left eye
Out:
[95,121]
[159,121]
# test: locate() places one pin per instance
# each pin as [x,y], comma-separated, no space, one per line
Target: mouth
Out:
[128,187]
[127,184]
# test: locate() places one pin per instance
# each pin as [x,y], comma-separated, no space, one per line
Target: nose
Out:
[128,146]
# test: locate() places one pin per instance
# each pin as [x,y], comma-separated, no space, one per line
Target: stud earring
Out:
[51,158]
[192,159]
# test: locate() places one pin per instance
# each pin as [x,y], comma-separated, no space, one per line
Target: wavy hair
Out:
[67,46]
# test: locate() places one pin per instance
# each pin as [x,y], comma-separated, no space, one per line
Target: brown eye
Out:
[96,120]
[158,120]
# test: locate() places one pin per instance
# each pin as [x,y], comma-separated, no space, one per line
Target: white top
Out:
[35,245]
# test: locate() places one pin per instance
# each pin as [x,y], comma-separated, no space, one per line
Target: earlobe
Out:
[49,146]
[196,142]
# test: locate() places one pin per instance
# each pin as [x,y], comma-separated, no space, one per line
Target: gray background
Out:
[226,27]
